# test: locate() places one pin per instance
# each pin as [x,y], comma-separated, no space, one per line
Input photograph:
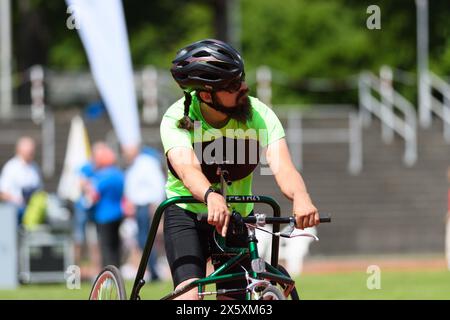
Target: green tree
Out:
[299,39]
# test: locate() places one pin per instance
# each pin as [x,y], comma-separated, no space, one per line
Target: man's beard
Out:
[241,112]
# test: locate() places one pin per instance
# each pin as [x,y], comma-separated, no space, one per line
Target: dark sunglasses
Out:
[235,85]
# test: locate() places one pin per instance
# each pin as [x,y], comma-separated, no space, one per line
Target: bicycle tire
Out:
[294,294]
[272,293]
[109,278]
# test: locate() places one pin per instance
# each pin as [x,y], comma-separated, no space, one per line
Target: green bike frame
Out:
[219,275]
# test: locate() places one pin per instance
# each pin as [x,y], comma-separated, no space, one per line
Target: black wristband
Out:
[210,189]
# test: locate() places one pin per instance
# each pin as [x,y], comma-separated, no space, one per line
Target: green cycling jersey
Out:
[236,138]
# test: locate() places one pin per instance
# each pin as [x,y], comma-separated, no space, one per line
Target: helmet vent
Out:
[201,54]
[221,65]
[210,76]
[225,53]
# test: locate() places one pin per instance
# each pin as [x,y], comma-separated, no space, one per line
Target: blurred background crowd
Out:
[365,104]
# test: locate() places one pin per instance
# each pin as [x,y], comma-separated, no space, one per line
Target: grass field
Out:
[394,285]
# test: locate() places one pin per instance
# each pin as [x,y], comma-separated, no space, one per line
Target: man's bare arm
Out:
[187,166]
[291,184]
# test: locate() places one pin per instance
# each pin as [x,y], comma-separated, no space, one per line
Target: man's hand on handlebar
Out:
[218,213]
[305,213]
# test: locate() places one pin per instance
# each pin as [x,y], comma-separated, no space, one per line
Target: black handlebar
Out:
[324,218]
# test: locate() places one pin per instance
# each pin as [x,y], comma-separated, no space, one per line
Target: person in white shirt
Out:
[20,176]
[144,192]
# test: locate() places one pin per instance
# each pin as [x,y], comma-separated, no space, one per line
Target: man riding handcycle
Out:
[212,140]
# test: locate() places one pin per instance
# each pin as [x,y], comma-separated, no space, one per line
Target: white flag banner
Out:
[102,29]
[77,154]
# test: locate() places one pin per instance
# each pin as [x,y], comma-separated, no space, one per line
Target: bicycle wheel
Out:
[272,293]
[294,293]
[109,285]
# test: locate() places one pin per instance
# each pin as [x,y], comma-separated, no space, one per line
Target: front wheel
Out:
[272,293]
[294,293]
[109,285]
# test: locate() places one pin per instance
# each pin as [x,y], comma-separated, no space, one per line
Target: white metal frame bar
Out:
[405,127]
[441,109]
[297,136]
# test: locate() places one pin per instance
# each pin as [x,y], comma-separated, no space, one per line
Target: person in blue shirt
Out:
[105,192]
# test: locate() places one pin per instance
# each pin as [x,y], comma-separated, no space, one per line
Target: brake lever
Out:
[287,231]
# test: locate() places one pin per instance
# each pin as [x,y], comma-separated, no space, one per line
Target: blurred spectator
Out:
[20,176]
[83,215]
[105,191]
[144,192]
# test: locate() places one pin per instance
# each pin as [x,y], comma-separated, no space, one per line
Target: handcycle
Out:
[266,281]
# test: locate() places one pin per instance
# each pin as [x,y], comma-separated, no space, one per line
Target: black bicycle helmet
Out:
[207,65]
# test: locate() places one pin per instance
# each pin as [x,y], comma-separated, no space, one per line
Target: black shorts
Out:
[189,243]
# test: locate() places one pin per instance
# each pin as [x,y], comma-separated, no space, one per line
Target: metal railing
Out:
[297,136]
[384,109]
[441,109]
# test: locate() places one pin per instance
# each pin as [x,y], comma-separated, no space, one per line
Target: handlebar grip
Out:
[324,218]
